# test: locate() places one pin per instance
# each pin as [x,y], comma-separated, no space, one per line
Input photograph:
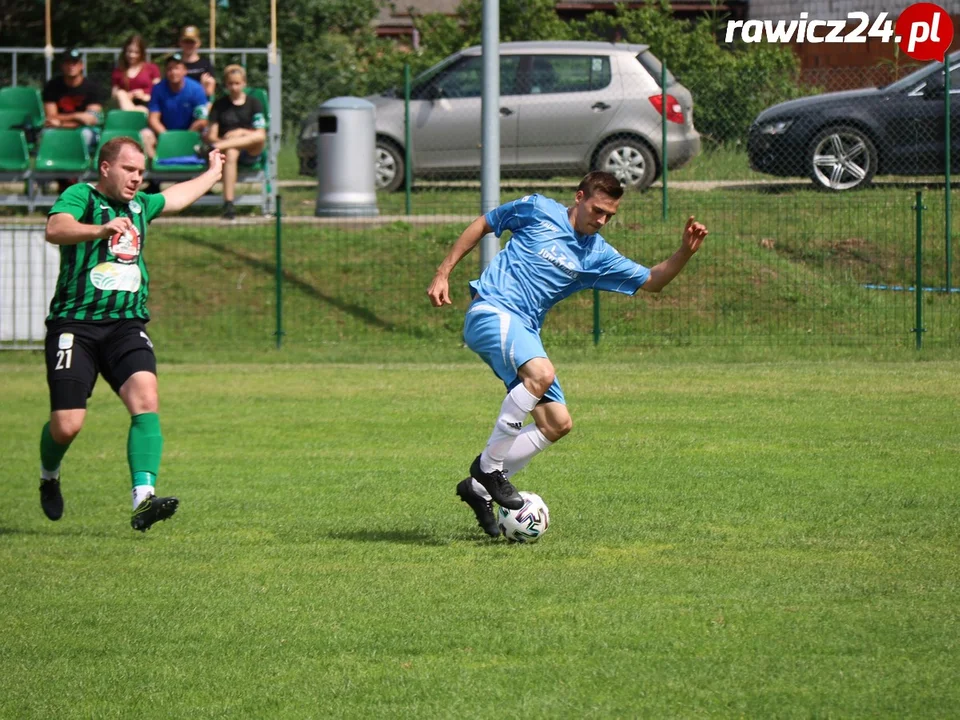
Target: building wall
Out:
[834,9]
[840,66]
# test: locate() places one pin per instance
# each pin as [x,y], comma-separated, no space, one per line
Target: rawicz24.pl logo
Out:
[923,31]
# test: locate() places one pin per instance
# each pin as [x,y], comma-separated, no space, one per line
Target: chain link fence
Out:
[807,269]
[813,224]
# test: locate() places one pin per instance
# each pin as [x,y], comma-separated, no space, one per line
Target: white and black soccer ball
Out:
[527,524]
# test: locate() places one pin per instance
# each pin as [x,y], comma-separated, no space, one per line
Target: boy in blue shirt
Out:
[554,252]
[176,103]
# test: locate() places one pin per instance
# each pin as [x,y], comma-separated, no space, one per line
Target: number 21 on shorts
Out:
[64,351]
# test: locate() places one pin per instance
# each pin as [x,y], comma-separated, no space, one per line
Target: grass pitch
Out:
[739,539]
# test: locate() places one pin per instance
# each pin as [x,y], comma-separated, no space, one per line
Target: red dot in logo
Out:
[924,31]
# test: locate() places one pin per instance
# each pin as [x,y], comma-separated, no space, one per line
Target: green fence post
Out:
[663,133]
[919,329]
[279,273]
[407,170]
[946,141]
[596,316]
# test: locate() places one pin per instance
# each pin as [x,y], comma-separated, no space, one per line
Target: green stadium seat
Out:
[62,151]
[26,99]
[261,95]
[175,144]
[14,156]
[126,120]
[12,119]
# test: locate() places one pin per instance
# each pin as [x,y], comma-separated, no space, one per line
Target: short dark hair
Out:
[110,150]
[175,58]
[601,181]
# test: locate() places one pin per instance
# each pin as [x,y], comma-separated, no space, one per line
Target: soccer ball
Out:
[527,524]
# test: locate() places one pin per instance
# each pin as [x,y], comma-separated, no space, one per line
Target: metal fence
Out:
[802,269]
[789,260]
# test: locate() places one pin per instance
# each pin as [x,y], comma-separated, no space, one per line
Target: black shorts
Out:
[77,351]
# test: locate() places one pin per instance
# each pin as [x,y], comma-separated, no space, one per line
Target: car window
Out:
[465,79]
[916,80]
[568,73]
[652,65]
[932,80]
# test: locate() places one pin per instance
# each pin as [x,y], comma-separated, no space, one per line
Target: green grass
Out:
[727,539]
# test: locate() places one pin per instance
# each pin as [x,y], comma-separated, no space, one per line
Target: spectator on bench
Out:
[133,79]
[237,129]
[71,100]
[177,103]
[198,68]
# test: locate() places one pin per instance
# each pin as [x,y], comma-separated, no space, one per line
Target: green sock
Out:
[144,447]
[51,452]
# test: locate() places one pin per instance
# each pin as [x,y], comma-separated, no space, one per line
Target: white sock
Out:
[518,403]
[141,493]
[528,443]
[49,474]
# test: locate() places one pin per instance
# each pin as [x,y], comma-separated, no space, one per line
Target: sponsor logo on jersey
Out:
[65,341]
[135,207]
[116,277]
[125,246]
[560,260]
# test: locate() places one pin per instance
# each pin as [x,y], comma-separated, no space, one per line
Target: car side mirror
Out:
[434,92]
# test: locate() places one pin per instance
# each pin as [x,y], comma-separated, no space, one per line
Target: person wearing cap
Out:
[176,103]
[198,68]
[71,100]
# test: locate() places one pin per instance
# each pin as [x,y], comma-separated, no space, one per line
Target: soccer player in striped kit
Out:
[554,252]
[98,316]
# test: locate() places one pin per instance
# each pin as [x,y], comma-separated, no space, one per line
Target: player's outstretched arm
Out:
[662,273]
[185,194]
[439,290]
[64,229]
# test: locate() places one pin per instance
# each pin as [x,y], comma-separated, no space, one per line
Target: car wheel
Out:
[630,160]
[389,166]
[842,158]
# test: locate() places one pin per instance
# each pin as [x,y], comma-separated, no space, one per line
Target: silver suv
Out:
[564,107]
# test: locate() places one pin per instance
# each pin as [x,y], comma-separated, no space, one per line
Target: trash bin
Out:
[346,158]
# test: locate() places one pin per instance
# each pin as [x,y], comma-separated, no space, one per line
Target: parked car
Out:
[840,140]
[564,107]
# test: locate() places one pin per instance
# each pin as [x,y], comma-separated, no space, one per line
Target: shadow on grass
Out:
[409,537]
[360,313]
[401,537]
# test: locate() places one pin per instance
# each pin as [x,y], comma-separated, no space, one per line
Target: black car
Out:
[840,140]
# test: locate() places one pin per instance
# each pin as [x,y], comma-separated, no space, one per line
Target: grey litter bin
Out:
[346,158]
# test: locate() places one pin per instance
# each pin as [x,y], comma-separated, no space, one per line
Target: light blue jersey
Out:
[546,260]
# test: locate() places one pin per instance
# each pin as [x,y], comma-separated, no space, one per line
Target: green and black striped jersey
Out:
[104,279]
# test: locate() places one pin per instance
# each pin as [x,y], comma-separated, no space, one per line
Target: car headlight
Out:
[775,128]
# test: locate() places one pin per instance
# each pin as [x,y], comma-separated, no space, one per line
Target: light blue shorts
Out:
[505,343]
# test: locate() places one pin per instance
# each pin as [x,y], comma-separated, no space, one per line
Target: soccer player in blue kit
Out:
[554,251]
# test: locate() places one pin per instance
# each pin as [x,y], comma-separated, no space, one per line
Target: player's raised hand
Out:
[118,225]
[693,235]
[215,160]
[439,291]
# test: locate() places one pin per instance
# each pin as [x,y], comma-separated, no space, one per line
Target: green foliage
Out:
[729,88]
[329,47]
[519,20]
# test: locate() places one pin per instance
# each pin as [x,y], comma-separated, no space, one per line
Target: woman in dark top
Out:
[134,78]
